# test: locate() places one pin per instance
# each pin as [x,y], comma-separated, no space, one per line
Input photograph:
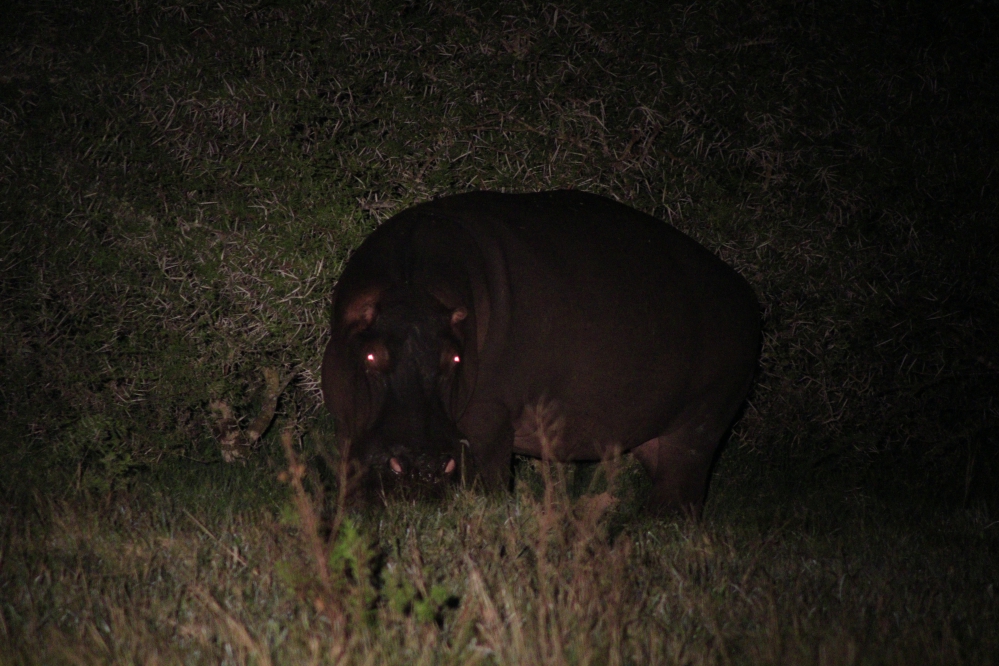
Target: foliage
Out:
[538,577]
[181,184]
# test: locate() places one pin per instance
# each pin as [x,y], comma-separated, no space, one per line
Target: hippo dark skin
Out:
[477,326]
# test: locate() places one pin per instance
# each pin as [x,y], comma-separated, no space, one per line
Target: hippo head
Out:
[396,375]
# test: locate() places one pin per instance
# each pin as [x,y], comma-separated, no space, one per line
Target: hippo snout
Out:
[434,470]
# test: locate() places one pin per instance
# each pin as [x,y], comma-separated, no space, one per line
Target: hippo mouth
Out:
[401,469]
[417,476]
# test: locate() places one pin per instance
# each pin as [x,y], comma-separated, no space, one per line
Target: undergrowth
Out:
[181,184]
[548,575]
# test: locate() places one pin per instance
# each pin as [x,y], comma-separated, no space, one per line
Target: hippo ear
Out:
[458,315]
[362,309]
[455,305]
[463,326]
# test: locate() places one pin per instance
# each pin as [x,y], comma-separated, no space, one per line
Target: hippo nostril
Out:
[449,467]
[395,465]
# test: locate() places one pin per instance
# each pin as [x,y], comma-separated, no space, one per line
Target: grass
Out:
[158,577]
[180,185]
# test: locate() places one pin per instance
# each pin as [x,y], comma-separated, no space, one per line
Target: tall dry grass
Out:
[546,575]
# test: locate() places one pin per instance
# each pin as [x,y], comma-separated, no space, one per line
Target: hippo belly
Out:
[480,325]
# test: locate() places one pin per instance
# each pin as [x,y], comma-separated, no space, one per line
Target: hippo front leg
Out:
[489,435]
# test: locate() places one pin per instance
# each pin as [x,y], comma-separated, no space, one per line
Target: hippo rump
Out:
[477,326]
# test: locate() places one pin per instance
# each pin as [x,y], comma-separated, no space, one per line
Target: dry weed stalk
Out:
[326,601]
[234,441]
[237,631]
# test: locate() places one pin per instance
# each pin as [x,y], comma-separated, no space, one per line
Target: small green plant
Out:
[353,565]
[344,577]
[407,598]
[335,572]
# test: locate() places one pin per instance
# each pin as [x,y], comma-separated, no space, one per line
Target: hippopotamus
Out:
[477,326]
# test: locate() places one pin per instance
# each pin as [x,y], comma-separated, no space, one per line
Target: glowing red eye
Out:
[376,358]
[457,359]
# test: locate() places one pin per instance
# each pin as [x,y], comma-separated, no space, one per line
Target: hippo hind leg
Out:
[679,461]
